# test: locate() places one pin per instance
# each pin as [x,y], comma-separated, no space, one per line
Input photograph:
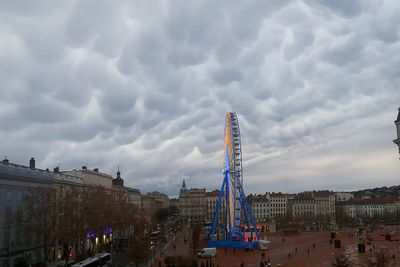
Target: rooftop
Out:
[12,170]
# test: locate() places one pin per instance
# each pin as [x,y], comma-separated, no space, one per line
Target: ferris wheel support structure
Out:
[227,229]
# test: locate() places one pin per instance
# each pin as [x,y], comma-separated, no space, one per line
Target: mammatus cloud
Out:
[147,85]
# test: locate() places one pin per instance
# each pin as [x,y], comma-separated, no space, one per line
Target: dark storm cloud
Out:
[146,85]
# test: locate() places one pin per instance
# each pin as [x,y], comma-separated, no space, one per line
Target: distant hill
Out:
[391,191]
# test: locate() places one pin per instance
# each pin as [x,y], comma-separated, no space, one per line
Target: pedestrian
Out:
[262,264]
[226,251]
[394,257]
[159,263]
[289,255]
[295,249]
[263,256]
[313,245]
[269,263]
[242,264]
[308,251]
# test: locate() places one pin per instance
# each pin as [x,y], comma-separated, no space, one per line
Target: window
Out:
[18,236]
[8,214]
[19,196]
[19,215]
[9,195]
[6,241]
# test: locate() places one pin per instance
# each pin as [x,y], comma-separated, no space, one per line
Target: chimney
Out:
[32,163]
[5,161]
[56,169]
[96,169]
[84,168]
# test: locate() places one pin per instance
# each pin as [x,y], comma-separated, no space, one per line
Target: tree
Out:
[123,215]
[161,214]
[139,250]
[21,262]
[139,244]
[173,210]
[179,261]
[381,258]
[341,260]
[196,236]
[71,227]
[42,220]
[341,216]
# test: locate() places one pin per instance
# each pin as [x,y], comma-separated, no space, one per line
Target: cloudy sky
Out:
[146,84]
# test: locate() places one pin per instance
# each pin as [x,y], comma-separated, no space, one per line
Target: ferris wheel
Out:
[233,169]
[236,209]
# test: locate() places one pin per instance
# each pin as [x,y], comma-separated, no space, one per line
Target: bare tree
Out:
[97,213]
[71,227]
[123,215]
[341,260]
[139,248]
[42,217]
[381,258]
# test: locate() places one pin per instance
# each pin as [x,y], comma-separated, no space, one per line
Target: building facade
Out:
[260,206]
[150,205]
[303,208]
[325,203]
[278,204]
[343,196]
[192,205]
[16,182]
[160,197]
[211,205]
[369,208]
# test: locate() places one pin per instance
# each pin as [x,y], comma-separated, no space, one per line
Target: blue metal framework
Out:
[230,232]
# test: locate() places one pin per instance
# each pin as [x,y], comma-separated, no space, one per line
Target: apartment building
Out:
[16,182]
[324,203]
[211,201]
[278,204]
[343,196]
[192,205]
[260,206]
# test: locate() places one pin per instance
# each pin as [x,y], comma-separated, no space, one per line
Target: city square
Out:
[199,133]
[312,249]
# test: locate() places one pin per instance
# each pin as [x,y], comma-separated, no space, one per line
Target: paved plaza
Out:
[311,249]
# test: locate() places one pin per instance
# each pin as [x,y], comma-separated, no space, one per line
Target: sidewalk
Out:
[175,247]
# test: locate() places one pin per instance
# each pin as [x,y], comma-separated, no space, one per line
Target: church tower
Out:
[183,189]
[118,181]
[397,122]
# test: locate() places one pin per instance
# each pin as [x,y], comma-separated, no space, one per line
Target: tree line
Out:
[71,218]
